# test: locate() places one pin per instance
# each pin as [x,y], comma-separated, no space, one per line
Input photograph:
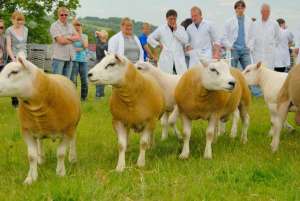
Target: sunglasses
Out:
[78,25]
[1,27]
[64,15]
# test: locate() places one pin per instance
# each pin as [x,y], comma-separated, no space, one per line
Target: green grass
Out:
[237,171]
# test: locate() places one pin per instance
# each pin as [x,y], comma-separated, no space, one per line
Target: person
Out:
[80,65]
[264,38]
[203,38]
[16,41]
[101,47]
[148,54]
[235,38]
[283,61]
[125,43]
[297,46]
[3,54]
[185,23]
[63,35]
[171,38]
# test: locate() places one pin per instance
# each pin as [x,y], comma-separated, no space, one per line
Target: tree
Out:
[39,15]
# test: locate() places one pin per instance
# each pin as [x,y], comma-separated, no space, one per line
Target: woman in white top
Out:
[283,59]
[125,43]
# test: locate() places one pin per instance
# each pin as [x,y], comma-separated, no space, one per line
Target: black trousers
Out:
[280,69]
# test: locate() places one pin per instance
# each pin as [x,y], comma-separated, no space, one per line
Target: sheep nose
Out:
[90,74]
[232,83]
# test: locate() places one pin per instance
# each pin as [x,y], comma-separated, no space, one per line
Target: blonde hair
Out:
[126,19]
[104,34]
[62,9]
[17,15]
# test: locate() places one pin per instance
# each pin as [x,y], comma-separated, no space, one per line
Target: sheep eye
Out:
[247,71]
[214,70]
[14,72]
[110,65]
[139,68]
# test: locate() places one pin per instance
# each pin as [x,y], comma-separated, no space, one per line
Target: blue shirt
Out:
[80,56]
[240,43]
[143,39]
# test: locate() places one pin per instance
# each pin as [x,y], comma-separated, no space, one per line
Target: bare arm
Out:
[9,48]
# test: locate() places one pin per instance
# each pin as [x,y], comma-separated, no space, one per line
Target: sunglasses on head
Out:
[78,25]
[62,15]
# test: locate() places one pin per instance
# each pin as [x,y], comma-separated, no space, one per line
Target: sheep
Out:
[270,82]
[137,102]
[214,91]
[288,100]
[49,108]
[168,83]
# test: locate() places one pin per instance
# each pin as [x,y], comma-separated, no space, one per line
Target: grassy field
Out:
[237,171]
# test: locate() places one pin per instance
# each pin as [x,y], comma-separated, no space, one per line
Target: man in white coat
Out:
[283,59]
[203,38]
[264,38]
[235,38]
[172,39]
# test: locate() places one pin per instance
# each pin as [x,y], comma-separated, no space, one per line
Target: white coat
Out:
[231,30]
[173,48]
[297,42]
[116,45]
[283,58]
[201,40]
[263,40]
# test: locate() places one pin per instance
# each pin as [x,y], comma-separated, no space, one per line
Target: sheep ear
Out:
[204,62]
[22,59]
[258,65]
[118,58]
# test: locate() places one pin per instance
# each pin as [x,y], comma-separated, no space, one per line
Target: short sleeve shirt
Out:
[80,56]
[62,52]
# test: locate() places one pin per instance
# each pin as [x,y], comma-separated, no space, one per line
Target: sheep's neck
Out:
[131,87]
[263,78]
[35,104]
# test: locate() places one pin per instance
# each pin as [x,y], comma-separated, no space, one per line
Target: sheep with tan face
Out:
[137,102]
[49,108]
[211,91]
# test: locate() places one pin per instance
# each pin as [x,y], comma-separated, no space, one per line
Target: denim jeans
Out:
[99,90]
[62,67]
[241,58]
[81,68]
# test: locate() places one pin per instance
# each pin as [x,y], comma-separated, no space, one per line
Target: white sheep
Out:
[168,84]
[49,108]
[270,83]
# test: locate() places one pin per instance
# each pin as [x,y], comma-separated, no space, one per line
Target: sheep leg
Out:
[41,154]
[278,124]
[212,123]
[144,145]
[187,128]
[122,141]
[164,123]
[221,128]
[72,152]
[245,121]
[32,157]
[61,152]
[235,121]
[273,111]
[172,121]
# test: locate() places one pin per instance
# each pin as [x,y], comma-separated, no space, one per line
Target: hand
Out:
[174,27]
[154,57]
[161,46]
[297,51]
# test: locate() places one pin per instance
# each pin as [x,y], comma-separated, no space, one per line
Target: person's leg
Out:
[83,71]
[67,69]
[99,91]
[57,66]
[75,70]
[174,70]
[234,58]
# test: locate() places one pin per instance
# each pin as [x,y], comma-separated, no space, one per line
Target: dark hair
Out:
[171,12]
[185,23]
[280,21]
[239,3]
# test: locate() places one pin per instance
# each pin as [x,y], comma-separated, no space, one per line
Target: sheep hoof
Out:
[232,135]
[208,154]
[61,172]
[120,168]
[274,147]
[164,137]
[184,156]
[140,163]
[40,160]
[244,140]
[72,159]
[290,129]
[28,180]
